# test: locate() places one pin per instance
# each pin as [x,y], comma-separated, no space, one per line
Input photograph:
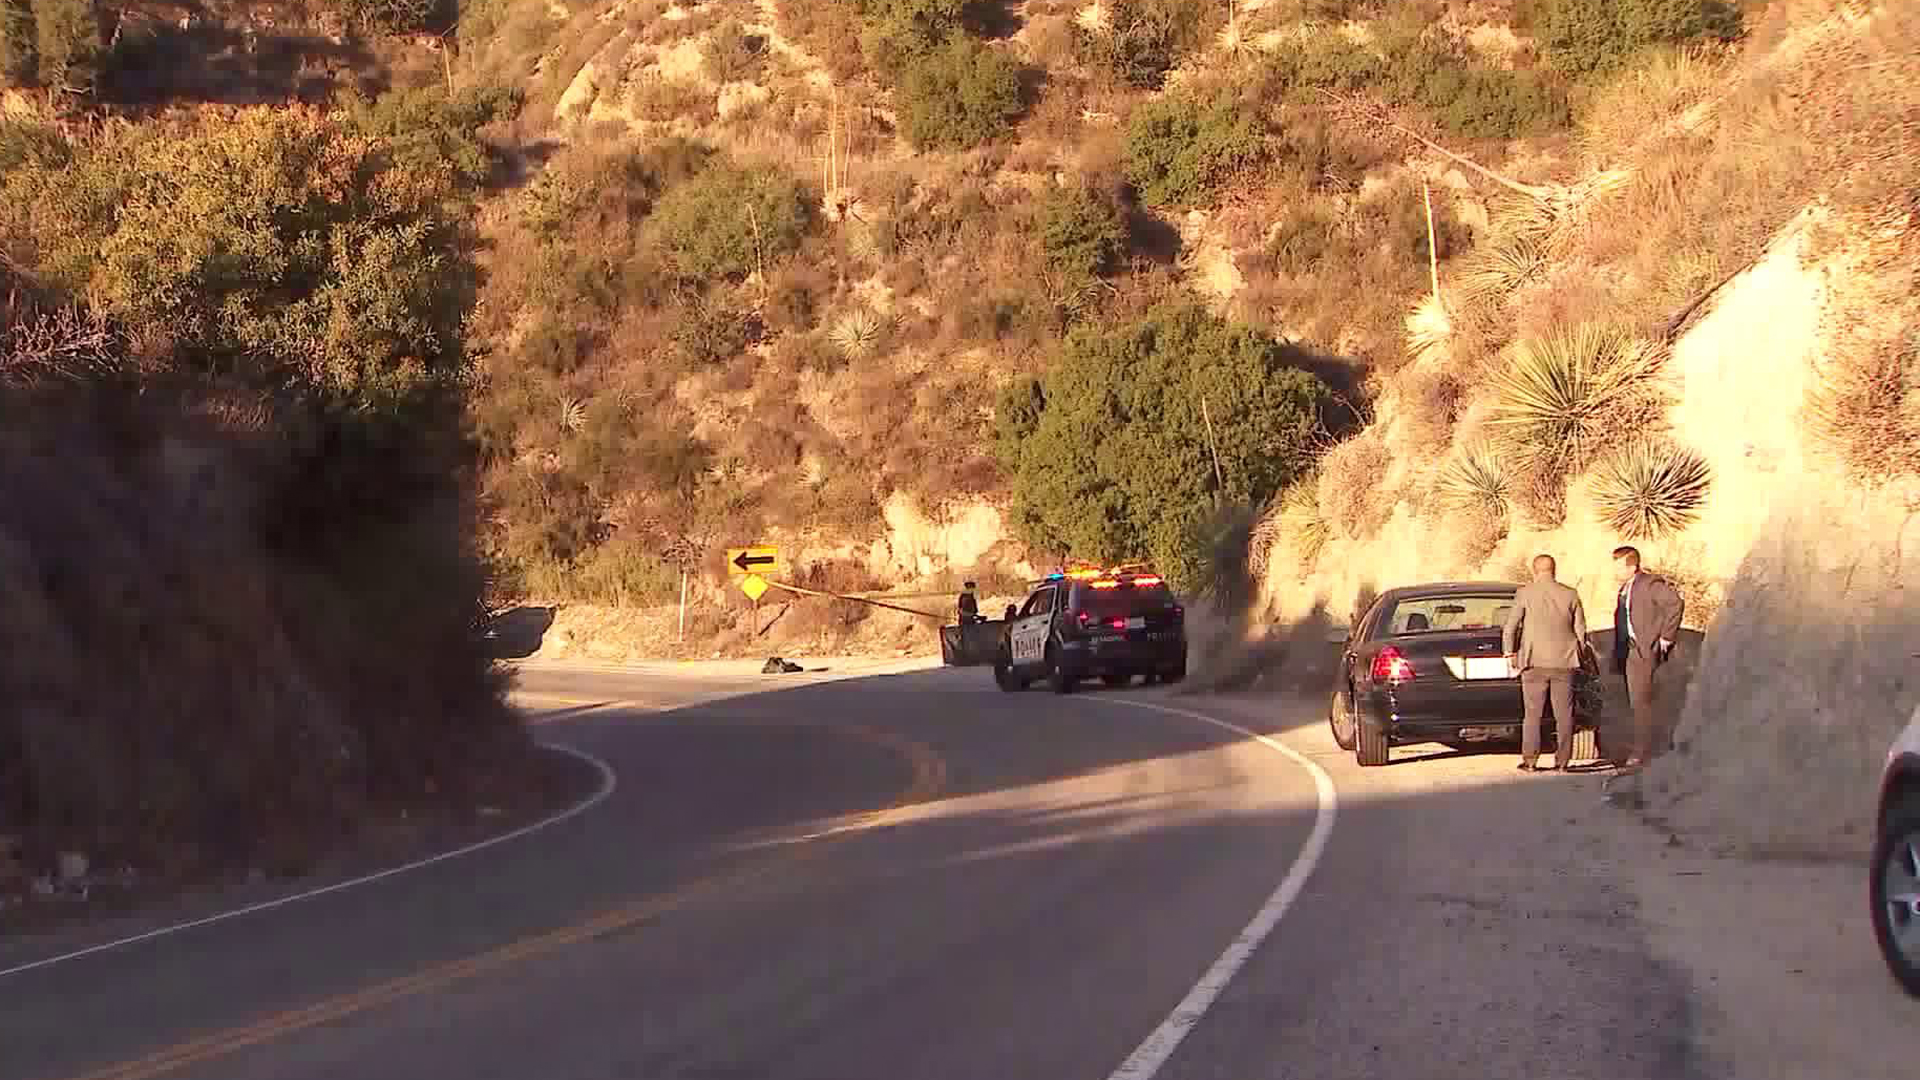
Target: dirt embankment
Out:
[215,663]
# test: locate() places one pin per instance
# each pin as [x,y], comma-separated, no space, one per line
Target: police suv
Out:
[1113,623]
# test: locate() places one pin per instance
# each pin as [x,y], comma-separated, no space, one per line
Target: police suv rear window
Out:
[1126,600]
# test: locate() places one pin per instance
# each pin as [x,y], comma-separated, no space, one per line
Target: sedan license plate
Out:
[1488,667]
[1138,622]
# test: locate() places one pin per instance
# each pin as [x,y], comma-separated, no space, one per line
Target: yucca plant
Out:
[857,333]
[864,241]
[1429,329]
[1649,488]
[1501,267]
[1299,521]
[573,413]
[1475,480]
[1561,397]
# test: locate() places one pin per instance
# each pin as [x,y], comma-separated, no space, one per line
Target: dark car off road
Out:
[1080,625]
[1424,663]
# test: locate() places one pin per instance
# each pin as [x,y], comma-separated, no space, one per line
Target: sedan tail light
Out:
[1390,667]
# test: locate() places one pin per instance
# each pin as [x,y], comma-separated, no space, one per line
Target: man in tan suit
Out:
[1543,637]
[1646,622]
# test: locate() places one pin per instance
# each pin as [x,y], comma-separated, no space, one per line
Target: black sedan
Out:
[1424,663]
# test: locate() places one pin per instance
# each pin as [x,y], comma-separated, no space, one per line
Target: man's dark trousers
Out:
[1638,667]
[1536,686]
[1636,662]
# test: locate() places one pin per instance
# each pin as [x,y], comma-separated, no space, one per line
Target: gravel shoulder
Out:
[1509,887]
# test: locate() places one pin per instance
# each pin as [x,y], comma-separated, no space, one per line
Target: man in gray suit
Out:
[1543,637]
[1646,622]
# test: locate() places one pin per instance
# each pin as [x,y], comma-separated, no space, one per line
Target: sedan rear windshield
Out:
[1443,614]
[1125,601]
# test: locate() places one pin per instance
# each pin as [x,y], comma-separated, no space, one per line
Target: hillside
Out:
[937,197]
[924,289]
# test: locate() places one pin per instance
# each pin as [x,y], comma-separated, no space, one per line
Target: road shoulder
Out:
[1787,980]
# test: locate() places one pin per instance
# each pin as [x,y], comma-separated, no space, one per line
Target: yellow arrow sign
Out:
[764,561]
[754,586]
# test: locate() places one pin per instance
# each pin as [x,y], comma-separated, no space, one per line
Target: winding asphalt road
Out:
[914,876]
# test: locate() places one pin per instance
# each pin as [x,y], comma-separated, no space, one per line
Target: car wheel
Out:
[1895,888]
[1175,673]
[1370,745]
[1062,680]
[1117,679]
[1340,719]
[1003,674]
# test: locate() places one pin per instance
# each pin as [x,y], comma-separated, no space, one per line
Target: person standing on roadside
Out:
[1543,638]
[969,604]
[1646,622]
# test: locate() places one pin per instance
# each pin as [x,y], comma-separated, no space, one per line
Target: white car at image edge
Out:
[1895,872]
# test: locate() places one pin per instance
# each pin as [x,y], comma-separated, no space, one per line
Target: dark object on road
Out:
[777,666]
[1110,624]
[970,643]
[1425,663]
[515,633]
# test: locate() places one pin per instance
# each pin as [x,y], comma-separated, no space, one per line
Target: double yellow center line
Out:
[929,778]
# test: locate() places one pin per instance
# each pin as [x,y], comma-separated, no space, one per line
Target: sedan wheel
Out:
[1895,889]
[1340,718]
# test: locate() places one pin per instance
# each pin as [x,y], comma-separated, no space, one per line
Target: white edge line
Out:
[1158,1047]
[608,782]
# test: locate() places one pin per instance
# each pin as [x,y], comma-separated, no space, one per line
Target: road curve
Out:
[911,875]
[914,876]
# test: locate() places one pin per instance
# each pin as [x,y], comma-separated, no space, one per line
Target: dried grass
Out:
[1354,498]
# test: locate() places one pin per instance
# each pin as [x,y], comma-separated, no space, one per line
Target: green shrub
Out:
[1145,39]
[278,241]
[728,221]
[959,95]
[1082,233]
[1562,397]
[423,128]
[1300,66]
[901,33]
[1597,37]
[1467,96]
[1482,102]
[1180,151]
[1111,458]
[1649,488]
